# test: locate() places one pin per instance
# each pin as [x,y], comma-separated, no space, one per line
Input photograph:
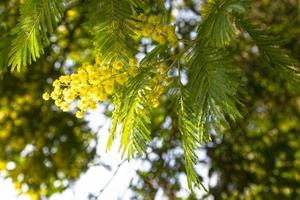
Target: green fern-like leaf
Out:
[116,117]
[205,103]
[218,26]
[191,137]
[132,114]
[277,59]
[109,20]
[213,85]
[37,22]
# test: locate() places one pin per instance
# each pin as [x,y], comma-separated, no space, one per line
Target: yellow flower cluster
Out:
[90,84]
[158,84]
[153,28]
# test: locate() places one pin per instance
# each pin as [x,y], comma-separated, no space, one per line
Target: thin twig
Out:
[111,178]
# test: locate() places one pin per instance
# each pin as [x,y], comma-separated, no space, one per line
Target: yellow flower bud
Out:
[154,20]
[102,97]
[121,79]
[141,17]
[108,88]
[64,79]
[158,37]
[46,96]
[82,105]
[56,83]
[132,62]
[72,14]
[89,68]
[118,65]
[65,106]
[155,103]
[133,71]
[58,102]
[54,95]
[147,30]
[79,114]
[98,60]
[70,96]
[92,104]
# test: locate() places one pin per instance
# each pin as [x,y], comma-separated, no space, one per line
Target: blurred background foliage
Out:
[44,150]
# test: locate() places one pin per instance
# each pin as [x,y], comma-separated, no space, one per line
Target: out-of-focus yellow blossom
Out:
[91,84]
[72,14]
[2,165]
[65,106]
[5,130]
[33,195]
[46,96]
[62,29]
[18,186]
[152,27]
[79,114]
[158,84]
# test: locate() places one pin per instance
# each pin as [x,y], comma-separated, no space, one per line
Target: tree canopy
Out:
[219,75]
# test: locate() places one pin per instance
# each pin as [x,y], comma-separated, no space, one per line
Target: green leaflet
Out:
[117,101]
[277,59]
[132,111]
[132,114]
[191,138]
[210,96]
[218,26]
[109,21]
[213,82]
[38,20]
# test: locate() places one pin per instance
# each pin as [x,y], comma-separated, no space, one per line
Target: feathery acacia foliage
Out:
[206,102]
[277,59]
[218,26]
[38,20]
[211,96]
[133,114]
[212,90]
[109,21]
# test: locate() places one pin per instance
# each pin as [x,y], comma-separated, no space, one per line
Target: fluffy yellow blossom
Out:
[54,95]
[158,84]
[72,14]
[79,114]
[58,102]
[65,106]
[132,62]
[132,71]
[46,96]
[18,185]
[2,165]
[91,84]
[118,65]
[121,79]
[32,195]
[109,86]
[56,83]
[152,27]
